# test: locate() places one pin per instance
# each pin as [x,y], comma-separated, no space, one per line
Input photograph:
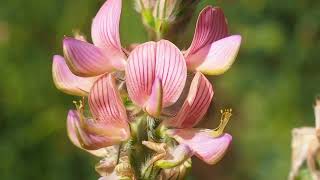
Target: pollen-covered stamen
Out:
[79,105]
[225,117]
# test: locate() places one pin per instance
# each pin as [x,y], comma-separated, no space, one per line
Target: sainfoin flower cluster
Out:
[140,108]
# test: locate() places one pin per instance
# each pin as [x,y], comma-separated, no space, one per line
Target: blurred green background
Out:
[271,86]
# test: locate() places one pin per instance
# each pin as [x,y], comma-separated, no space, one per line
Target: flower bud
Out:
[162,17]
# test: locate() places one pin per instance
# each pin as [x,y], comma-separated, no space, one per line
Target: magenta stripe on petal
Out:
[91,136]
[217,57]
[105,30]
[85,59]
[155,59]
[211,26]
[171,69]
[196,104]
[66,81]
[205,147]
[105,103]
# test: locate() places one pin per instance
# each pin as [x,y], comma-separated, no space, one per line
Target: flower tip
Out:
[57,57]
[237,38]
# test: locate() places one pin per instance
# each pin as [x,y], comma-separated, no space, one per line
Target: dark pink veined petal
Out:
[155,59]
[206,147]
[211,26]
[106,105]
[84,134]
[140,72]
[171,69]
[85,59]
[66,81]
[217,57]
[195,105]
[105,31]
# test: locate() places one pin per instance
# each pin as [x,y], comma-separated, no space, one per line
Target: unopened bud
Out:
[162,17]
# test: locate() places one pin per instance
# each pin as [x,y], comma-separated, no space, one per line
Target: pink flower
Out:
[109,124]
[212,50]
[155,75]
[90,60]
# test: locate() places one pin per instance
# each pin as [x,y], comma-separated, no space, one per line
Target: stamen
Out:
[80,108]
[80,105]
[225,117]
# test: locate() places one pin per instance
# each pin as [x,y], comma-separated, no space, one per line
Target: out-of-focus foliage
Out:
[271,86]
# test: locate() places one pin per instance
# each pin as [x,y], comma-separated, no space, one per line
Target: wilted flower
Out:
[120,127]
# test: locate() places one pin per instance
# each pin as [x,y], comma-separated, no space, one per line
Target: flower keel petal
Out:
[85,59]
[66,81]
[80,137]
[201,142]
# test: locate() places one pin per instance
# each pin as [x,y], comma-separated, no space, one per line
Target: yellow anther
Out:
[79,105]
[225,117]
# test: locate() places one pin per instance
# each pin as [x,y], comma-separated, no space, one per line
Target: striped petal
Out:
[106,105]
[105,31]
[85,59]
[66,81]
[80,134]
[202,143]
[153,60]
[195,105]
[211,26]
[217,57]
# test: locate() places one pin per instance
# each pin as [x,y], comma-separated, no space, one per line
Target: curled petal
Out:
[66,81]
[211,26]
[106,105]
[202,143]
[153,60]
[85,59]
[105,31]
[154,103]
[196,103]
[81,134]
[216,58]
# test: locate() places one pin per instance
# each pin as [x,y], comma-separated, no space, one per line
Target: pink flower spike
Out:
[85,59]
[105,31]
[155,59]
[217,57]
[81,134]
[106,105]
[154,103]
[211,26]
[195,105]
[66,81]
[202,143]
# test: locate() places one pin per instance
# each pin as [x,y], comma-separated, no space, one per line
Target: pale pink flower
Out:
[155,75]
[212,50]
[90,60]
[109,124]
